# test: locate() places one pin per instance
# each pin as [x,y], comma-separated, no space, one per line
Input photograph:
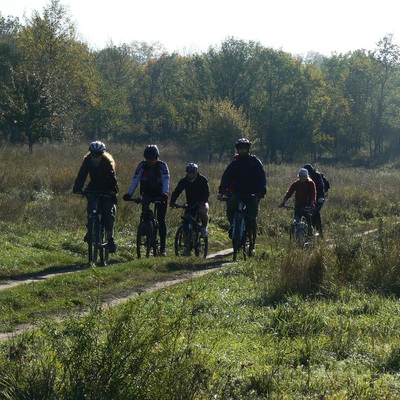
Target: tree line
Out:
[54,87]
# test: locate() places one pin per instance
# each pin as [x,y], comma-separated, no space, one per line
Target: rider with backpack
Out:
[322,186]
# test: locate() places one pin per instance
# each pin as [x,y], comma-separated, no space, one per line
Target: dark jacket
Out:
[195,191]
[244,175]
[102,177]
[317,179]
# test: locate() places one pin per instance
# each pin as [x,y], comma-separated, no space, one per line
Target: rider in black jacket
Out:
[197,193]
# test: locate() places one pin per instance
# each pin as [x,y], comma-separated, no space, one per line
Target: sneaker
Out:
[112,247]
[203,232]
[163,253]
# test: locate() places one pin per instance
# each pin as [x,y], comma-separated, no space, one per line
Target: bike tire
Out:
[237,235]
[96,245]
[201,249]
[301,237]
[154,241]
[104,253]
[179,242]
[91,239]
[143,240]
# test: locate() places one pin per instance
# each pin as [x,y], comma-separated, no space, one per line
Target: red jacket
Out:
[305,192]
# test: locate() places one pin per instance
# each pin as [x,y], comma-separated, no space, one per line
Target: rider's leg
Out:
[161,213]
[109,211]
[203,214]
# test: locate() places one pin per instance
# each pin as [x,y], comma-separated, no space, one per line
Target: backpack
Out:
[327,185]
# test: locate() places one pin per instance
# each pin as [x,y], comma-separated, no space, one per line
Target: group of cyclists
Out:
[244,179]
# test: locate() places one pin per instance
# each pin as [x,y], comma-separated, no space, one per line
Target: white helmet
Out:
[97,147]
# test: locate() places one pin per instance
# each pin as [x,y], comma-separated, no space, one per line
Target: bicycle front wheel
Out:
[143,240]
[103,247]
[201,249]
[95,241]
[237,235]
[182,242]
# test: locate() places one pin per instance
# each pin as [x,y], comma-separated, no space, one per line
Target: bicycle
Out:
[97,243]
[188,235]
[299,227]
[147,232]
[243,238]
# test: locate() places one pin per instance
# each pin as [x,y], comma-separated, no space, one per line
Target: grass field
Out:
[321,323]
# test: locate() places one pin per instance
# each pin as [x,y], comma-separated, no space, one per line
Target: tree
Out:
[62,74]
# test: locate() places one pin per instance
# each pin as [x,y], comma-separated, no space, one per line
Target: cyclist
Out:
[100,166]
[305,192]
[316,176]
[153,176]
[243,179]
[197,193]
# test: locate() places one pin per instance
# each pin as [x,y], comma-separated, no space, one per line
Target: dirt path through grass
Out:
[113,301]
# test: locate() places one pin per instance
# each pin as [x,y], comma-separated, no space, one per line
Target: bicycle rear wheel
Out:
[143,240]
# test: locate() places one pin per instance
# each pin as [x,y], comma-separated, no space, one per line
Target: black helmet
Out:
[192,168]
[97,147]
[243,142]
[309,168]
[151,152]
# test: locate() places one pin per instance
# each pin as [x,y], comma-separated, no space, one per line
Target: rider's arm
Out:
[226,180]
[81,177]
[165,177]
[178,190]
[136,179]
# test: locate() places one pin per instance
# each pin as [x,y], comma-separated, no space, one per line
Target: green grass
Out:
[289,323]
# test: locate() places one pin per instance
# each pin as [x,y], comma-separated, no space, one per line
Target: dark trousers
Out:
[161,213]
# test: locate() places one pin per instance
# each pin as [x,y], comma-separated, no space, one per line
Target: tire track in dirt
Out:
[113,301]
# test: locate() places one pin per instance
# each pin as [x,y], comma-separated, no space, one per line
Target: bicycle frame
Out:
[241,235]
[97,244]
[188,236]
[147,231]
[299,227]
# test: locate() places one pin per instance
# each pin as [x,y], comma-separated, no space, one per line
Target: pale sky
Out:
[187,26]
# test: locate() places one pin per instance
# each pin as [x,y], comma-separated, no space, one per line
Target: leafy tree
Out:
[220,126]
[61,72]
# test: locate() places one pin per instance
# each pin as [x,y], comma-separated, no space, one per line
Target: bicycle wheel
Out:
[201,249]
[301,235]
[103,248]
[238,227]
[97,248]
[180,241]
[91,239]
[154,240]
[143,240]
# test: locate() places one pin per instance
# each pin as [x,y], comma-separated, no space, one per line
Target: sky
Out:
[190,26]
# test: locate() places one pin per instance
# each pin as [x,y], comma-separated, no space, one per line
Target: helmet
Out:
[303,172]
[97,147]
[243,142]
[192,168]
[151,151]
[309,168]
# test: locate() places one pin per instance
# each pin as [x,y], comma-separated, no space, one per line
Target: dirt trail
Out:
[112,302]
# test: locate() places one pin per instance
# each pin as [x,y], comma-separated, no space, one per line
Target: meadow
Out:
[320,323]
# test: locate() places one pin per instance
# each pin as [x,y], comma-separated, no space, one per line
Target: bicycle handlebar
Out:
[87,193]
[304,208]
[141,200]
[186,206]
